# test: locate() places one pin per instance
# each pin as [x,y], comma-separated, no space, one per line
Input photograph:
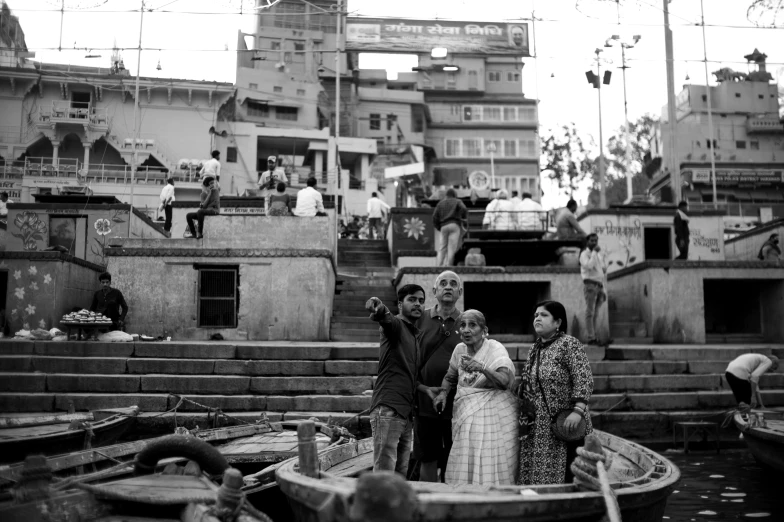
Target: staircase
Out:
[627,326]
[364,271]
[648,387]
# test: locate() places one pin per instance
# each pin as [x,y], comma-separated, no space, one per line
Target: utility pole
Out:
[711,140]
[602,188]
[672,161]
[136,125]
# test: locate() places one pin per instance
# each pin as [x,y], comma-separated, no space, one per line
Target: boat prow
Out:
[763,432]
[641,478]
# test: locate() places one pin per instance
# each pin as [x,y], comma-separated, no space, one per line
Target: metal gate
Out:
[218,302]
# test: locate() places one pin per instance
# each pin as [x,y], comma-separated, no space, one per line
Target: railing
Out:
[95,173]
[740,208]
[509,220]
[67,111]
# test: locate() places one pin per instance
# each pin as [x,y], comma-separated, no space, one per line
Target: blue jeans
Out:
[594,297]
[392,438]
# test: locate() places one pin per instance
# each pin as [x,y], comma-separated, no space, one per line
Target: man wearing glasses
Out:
[269,179]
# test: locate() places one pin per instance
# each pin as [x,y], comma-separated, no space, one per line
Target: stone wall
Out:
[670,296]
[746,247]
[42,286]
[565,286]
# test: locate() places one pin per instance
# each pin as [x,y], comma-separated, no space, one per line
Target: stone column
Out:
[364,168]
[86,156]
[319,164]
[55,152]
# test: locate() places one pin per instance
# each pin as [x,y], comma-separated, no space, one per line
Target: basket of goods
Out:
[86,318]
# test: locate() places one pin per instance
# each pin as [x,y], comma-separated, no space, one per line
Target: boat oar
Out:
[613,511]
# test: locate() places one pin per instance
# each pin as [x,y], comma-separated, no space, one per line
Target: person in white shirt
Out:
[376,210]
[3,202]
[527,213]
[211,168]
[498,214]
[269,179]
[309,200]
[593,271]
[167,198]
[743,375]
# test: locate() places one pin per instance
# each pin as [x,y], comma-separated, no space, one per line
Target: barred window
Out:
[218,297]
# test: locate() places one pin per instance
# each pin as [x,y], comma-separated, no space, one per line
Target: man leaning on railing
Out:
[527,213]
[499,214]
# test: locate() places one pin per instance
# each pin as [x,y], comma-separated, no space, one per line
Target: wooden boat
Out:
[184,493]
[52,434]
[641,479]
[763,432]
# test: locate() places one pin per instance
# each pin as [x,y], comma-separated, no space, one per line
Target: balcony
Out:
[767,124]
[81,113]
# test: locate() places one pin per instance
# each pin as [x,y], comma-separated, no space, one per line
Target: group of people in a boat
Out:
[454,392]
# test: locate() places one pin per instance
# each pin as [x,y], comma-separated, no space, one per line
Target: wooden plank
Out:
[353,467]
[42,420]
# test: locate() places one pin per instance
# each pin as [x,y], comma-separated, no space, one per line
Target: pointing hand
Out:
[373,305]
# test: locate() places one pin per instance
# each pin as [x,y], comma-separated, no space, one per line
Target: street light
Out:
[491,150]
[628,159]
[596,80]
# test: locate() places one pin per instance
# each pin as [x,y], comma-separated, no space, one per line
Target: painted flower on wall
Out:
[30,309]
[103,226]
[31,229]
[414,227]
[47,279]
[32,271]
[20,293]
[33,286]
[17,274]
[42,324]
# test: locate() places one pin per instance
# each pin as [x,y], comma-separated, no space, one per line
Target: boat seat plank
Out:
[32,431]
[353,467]
[10,421]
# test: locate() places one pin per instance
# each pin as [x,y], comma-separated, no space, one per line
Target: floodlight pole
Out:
[135,160]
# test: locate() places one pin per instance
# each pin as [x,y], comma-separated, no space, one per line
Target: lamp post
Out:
[627,154]
[491,150]
[596,80]
[135,160]
[711,145]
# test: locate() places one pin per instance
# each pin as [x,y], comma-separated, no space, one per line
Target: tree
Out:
[565,159]
[766,13]
[642,133]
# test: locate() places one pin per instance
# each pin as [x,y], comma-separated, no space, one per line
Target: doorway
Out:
[733,306]
[80,100]
[507,307]
[657,243]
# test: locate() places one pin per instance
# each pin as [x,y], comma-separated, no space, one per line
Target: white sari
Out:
[484,423]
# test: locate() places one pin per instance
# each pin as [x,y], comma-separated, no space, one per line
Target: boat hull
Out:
[766,445]
[642,499]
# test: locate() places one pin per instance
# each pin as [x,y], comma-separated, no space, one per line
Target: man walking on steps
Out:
[376,210]
[392,407]
[433,429]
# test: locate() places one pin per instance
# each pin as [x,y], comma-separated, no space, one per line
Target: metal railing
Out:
[95,173]
[68,111]
[508,220]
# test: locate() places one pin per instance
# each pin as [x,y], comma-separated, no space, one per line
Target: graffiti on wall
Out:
[705,244]
[622,243]
[412,232]
[103,227]
[31,230]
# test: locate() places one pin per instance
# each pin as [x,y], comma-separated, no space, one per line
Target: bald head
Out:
[448,288]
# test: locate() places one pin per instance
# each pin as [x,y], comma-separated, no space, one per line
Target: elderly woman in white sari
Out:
[484,430]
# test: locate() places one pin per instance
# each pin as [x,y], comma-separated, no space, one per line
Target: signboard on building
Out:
[735,176]
[394,35]
[13,186]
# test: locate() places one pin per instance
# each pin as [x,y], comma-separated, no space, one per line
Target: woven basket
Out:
[559,430]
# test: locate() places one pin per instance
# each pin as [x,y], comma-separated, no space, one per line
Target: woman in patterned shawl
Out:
[484,422]
[557,368]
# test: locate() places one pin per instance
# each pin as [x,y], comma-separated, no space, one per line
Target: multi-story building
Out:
[747,146]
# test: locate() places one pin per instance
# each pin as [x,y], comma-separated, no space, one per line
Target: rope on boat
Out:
[585,469]
[61,484]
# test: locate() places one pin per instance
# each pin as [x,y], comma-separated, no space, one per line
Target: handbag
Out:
[557,420]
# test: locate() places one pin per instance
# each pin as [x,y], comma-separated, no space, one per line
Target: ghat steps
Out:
[647,386]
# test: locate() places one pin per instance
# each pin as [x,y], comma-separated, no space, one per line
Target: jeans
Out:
[594,297]
[167,210]
[740,389]
[683,248]
[199,216]
[450,242]
[375,229]
[392,438]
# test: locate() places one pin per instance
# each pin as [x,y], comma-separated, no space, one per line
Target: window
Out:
[499,150]
[300,92]
[708,144]
[275,46]
[737,95]
[526,114]
[231,154]
[218,297]
[451,80]
[761,96]
[417,121]
[286,113]
[254,86]
[740,144]
[299,46]
[473,80]
[510,148]
[754,145]
[277,88]
[258,109]
[391,120]
[380,143]
[528,148]
[512,76]
[472,113]
[472,148]
[452,148]
[510,113]
[494,76]
[491,114]
[375,122]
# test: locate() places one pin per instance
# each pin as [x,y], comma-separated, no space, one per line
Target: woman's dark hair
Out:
[105,276]
[558,311]
[281,186]
[407,290]
[207,181]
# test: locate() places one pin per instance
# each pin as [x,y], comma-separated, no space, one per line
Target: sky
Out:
[196,39]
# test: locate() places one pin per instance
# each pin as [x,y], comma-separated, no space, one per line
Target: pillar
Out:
[86,156]
[319,164]
[55,152]
[332,172]
[364,167]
